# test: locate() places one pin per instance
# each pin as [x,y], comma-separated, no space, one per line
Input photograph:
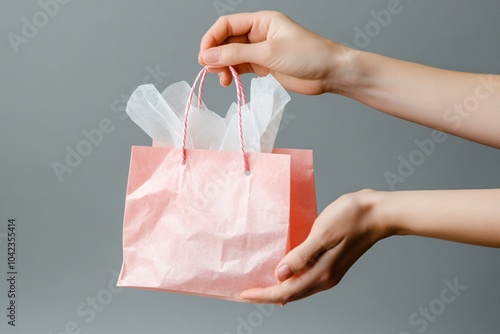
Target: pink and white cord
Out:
[241,100]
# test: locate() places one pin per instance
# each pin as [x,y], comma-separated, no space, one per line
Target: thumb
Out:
[233,54]
[299,258]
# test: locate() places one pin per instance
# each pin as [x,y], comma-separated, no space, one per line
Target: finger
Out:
[299,286]
[231,56]
[339,259]
[235,54]
[225,75]
[321,239]
[276,294]
[300,258]
[236,39]
[234,25]
[241,69]
[343,257]
[283,292]
[229,40]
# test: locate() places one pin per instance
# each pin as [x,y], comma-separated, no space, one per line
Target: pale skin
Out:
[304,62]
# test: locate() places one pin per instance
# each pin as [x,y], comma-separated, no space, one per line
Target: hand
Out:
[270,42]
[348,227]
[343,232]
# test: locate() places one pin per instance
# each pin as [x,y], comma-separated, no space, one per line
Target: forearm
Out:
[463,104]
[467,216]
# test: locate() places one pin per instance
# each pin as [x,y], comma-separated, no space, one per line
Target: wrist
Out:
[376,207]
[344,69]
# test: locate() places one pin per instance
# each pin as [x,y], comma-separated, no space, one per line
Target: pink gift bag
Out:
[213,223]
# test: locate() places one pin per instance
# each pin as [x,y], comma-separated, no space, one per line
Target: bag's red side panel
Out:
[303,207]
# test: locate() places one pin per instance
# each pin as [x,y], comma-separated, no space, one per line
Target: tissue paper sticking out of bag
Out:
[161,116]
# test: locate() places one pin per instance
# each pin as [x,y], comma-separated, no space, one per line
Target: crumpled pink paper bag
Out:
[206,227]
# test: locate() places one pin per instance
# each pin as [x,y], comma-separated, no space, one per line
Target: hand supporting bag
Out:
[196,222]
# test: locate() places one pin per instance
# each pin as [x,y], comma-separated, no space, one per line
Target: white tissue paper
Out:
[161,117]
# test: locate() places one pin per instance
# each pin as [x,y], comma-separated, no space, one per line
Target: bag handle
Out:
[237,80]
[241,100]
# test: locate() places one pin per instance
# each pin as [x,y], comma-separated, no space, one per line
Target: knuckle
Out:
[287,294]
[224,20]
[275,14]
[280,296]
[286,297]
[307,259]
[325,279]
[327,282]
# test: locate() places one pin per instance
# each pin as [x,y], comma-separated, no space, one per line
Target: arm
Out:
[348,227]
[463,104]
[467,216]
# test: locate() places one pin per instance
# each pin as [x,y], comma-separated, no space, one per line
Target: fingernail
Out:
[211,56]
[284,272]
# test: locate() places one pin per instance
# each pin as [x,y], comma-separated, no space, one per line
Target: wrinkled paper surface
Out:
[204,228]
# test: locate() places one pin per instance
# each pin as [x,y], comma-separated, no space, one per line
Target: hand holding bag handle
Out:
[241,100]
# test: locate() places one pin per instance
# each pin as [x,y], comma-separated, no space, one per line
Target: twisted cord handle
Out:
[241,100]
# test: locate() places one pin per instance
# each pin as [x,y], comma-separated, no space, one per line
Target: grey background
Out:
[66,79]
